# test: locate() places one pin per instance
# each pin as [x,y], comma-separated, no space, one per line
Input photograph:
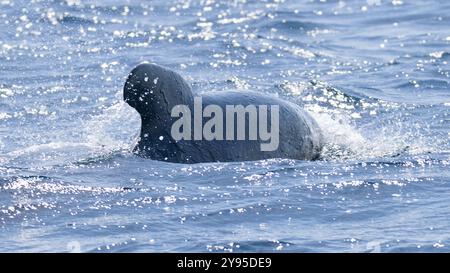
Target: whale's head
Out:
[154,90]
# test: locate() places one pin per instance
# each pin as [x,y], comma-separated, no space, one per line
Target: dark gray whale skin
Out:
[154,90]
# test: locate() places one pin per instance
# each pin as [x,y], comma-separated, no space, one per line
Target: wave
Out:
[254,246]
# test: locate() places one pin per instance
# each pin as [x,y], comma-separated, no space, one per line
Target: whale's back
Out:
[243,126]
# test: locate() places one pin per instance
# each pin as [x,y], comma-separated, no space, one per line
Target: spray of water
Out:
[113,130]
[361,128]
[353,129]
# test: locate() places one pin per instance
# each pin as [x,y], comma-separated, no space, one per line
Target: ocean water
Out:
[375,74]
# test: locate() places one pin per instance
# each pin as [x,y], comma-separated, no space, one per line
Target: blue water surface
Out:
[375,74]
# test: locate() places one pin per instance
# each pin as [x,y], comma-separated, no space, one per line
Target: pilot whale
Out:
[220,126]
